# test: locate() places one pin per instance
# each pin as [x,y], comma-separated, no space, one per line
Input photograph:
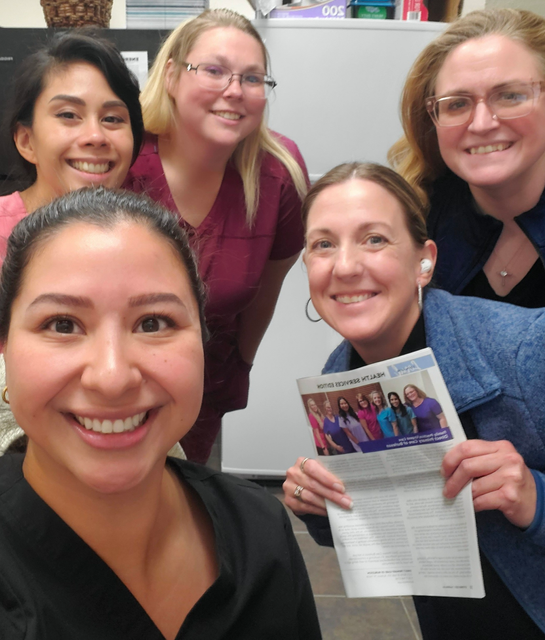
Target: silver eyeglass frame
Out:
[268,80]
[432,101]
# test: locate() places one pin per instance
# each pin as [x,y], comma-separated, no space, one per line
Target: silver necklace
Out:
[503,272]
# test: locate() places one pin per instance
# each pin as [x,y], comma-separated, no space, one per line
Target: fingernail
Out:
[339,487]
[347,503]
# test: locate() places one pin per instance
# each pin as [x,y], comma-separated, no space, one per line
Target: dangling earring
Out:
[420,305]
[5,396]
[307,315]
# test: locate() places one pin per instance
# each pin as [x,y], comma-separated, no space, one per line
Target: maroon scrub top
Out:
[231,257]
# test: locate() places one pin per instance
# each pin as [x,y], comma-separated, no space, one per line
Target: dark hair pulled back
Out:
[104,208]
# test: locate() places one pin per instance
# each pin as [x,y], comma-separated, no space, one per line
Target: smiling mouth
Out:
[489,148]
[91,167]
[229,115]
[113,426]
[345,299]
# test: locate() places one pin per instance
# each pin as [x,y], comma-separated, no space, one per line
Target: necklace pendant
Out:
[503,273]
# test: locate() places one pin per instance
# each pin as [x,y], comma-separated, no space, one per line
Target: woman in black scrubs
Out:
[101,535]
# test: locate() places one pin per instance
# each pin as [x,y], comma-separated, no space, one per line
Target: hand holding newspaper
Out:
[402,536]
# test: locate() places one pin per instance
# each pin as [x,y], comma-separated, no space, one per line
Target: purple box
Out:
[328,9]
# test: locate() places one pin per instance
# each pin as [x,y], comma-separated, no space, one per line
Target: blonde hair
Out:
[416,155]
[159,111]
[316,413]
[378,393]
[418,390]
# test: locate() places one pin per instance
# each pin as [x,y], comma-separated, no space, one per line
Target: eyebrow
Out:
[75,100]
[82,302]
[152,298]
[361,227]
[457,92]
[63,299]
[257,68]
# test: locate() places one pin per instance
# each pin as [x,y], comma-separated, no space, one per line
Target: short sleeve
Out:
[289,238]
[435,406]
[410,412]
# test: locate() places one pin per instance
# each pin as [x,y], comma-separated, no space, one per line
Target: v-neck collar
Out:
[78,565]
[169,202]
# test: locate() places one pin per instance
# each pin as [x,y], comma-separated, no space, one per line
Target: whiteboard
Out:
[339,83]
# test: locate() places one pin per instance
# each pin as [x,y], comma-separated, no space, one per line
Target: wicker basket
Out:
[77,13]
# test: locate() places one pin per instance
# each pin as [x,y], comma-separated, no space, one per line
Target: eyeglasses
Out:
[511,101]
[217,78]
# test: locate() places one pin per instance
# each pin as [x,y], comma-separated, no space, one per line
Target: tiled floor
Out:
[342,618]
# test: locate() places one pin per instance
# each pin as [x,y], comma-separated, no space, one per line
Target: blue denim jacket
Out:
[492,357]
[465,237]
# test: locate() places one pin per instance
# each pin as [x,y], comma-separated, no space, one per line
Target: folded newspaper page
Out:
[384,429]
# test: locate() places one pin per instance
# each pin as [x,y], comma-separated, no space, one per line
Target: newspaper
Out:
[402,537]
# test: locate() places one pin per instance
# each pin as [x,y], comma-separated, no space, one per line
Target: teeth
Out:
[489,148]
[117,426]
[90,167]
[351,299]
[228,114]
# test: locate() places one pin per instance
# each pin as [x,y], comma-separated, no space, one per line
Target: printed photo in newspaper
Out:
[384,429]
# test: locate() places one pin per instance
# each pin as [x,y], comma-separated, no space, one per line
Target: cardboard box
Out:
[327,9]
[412,10]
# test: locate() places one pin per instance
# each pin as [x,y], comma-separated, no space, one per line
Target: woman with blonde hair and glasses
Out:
[236,186]
[473,113]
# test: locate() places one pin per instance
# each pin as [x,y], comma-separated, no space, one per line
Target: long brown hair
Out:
[416,155]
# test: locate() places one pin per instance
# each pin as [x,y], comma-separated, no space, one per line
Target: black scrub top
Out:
[53,586]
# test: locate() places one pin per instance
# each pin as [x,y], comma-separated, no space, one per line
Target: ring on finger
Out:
[302,465]
[297,492]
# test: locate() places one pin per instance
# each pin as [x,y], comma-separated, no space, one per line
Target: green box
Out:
[371,12]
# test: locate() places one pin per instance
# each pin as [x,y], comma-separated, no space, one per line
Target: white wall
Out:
[537,6]
[11,14]
[472,5]
[241,6]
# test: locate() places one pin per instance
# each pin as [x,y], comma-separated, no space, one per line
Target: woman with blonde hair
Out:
[473,113]
[236,186]
[429,413]
[316,419]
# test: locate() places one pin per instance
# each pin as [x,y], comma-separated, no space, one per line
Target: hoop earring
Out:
[5,396]
[307,314]
[420,305]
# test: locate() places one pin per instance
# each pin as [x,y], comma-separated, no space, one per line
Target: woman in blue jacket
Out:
[368,259]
